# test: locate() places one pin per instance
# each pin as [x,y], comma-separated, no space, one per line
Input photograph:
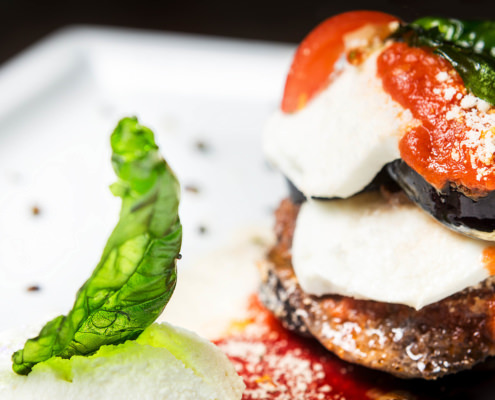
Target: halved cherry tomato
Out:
[315,58]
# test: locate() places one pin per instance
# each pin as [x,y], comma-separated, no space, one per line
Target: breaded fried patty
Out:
[441,338]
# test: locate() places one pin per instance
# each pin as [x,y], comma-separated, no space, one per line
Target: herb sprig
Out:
[136,275]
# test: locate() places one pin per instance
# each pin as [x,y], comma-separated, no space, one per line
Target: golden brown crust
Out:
[444,337]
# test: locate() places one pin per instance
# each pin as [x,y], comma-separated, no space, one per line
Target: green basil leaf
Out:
[136,275]
[468,45]
[476,70]
[478,36]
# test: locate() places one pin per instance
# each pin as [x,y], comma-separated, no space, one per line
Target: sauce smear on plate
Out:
[279,365]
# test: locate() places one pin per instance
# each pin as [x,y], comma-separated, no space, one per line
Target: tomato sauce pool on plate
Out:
[277,364]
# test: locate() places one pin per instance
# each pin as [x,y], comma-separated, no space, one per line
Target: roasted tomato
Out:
[316,56]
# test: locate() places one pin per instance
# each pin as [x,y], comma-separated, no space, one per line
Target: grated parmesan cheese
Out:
[449,93]
[442,76]
[468,101]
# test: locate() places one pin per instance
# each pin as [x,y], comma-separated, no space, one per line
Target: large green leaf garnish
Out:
[136,275]
[468,45]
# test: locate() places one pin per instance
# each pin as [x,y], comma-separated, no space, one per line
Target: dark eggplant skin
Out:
[474,217]
[381,180]
[296,196]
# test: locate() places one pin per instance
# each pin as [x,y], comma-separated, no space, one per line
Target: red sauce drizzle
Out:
[279,365]
[435,148]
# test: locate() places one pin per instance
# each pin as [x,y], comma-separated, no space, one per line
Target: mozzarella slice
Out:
[337,144]
[366,248]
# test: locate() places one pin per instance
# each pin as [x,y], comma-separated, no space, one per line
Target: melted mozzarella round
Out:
[337,144]
[366,248]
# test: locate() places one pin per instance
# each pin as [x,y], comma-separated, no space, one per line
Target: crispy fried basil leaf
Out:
[136,275]
[468,45]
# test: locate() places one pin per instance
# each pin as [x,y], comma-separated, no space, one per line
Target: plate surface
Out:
[205,98]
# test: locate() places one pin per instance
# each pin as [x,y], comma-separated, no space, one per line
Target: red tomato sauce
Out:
[279,365]
[488,259]
[438,148]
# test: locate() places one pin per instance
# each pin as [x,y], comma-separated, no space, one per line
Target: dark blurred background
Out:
[23,22]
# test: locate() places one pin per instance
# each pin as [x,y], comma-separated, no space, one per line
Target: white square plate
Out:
[205,98]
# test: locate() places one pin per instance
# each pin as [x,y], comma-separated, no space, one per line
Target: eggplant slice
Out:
[382,180]
[474,217]
[471,216]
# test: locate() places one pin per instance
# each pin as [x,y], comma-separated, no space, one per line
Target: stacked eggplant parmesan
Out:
[385,249]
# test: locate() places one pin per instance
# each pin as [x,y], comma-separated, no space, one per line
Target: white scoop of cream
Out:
[164,362]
